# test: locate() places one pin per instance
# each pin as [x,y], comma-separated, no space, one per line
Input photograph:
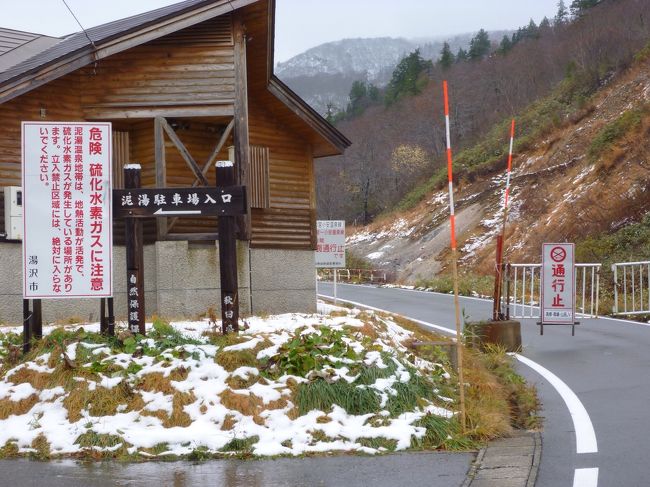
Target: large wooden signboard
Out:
[558,284]
[67,244]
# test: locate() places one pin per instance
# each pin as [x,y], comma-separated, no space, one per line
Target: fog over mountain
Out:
[324,74]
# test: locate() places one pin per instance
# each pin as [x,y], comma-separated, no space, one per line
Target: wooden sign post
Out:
[228,257]
[134,258]
[225,201]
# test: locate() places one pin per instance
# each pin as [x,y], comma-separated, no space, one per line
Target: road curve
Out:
[604,367]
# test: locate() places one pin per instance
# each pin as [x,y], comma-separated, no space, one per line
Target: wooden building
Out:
[184,86]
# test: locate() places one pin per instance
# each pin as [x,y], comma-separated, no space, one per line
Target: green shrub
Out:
[614,131]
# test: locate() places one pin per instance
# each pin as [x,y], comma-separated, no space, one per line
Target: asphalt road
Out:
[407,469]
[606,365]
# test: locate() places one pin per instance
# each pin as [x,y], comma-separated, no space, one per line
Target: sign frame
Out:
[565,256]
[30,157]
[337,239]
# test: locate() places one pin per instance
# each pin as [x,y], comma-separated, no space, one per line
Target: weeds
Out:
[614,131]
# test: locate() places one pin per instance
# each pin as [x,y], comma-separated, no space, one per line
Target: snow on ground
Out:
[401,228]
[210,391]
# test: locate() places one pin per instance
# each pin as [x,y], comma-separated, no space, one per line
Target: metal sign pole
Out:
[335,276]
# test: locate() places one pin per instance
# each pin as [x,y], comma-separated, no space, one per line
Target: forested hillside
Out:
[543,75]
[580,92]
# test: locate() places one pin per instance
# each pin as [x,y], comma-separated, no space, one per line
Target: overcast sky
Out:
[301,24]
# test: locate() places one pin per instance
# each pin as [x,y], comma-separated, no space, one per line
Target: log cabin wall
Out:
[190,67]
[55,101]
[289,222]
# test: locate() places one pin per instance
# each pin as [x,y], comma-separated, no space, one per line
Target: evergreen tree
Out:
[373,93]
[461,55]
[358,96]
[532,31]
[579,7]
[562,13]
[479,46]
[505,46]
[446,56]
[407,77]
[544,25]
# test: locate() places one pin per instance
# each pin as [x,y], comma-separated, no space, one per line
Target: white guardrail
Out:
[525,287]
[631,288]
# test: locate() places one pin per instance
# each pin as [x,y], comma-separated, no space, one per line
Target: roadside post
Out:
[225,201]
[454,258]
[330,247]
[67,237]
[497,313]
[558,296]
[134,241]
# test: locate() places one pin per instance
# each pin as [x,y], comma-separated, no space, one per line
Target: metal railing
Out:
[523,290]
[355,275]
[631,288]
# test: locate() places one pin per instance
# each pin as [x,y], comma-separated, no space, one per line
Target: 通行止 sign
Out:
[330,243]
[67,243]
[558,283]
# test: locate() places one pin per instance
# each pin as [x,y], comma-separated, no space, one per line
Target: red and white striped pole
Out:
[505,203]
[454,258]
[497,314]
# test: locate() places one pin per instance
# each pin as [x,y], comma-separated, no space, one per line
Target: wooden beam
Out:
[241,120]
[179,111]
[184,152]
[211,160]
[161,169]
[192,237]
[217,148]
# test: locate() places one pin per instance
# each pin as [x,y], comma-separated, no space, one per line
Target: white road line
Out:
[585,435]
[584,430]
[585,477]
[366,306]
[473,298]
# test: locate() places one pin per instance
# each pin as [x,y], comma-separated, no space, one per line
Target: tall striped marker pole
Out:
[501,239]
[454,260]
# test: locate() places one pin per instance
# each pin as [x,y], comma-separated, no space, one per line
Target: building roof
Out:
[17,46]
[82,48]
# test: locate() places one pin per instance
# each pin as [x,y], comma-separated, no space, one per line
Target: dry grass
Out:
[240,383]
[156,382]
[101,401]
[235,359]
[42,447]
[488,410]
[17,408]
[38,380]
[178,417]
[229,422]
[250,404]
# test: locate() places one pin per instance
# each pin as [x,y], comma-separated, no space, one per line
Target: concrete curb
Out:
[507,462]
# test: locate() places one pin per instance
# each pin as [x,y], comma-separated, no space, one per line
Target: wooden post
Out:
[496,304]
[161,170]
[27,328]
[102,316]
[111,318]
[228,256]
[37,323]
[134,258]
[242,156]
[507,271]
